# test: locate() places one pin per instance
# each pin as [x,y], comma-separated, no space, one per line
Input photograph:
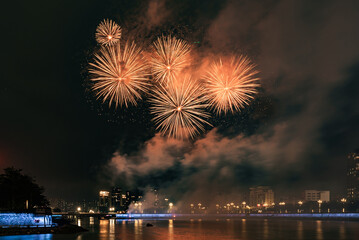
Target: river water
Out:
[226,229]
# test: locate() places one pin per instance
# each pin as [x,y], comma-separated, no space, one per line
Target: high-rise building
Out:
[316,195]
[116,199]
[104,201]
[353,175]
[261,196]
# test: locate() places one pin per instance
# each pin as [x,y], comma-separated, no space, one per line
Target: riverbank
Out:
[323,216]
[65,229]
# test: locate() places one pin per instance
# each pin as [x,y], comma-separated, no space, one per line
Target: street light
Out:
[244,206]
[300,203]
[170,205]
[217,208]
[281,204]
[343,200]
[78,209]
[320,204]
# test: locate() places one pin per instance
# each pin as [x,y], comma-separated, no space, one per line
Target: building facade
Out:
[261,196]
[316,195]
[353,175]
[104,202]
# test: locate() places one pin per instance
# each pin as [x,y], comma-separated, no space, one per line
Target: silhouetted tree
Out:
[17,188]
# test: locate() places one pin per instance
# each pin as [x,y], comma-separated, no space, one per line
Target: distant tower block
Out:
[353,175]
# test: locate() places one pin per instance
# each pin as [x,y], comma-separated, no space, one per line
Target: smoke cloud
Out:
[156,13]
[307,68]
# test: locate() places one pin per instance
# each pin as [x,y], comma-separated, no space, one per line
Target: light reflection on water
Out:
[172,229]
[92,221]
[342,231]
[300,230]
[29,237]
[319,230]
[265,230]
[79,222]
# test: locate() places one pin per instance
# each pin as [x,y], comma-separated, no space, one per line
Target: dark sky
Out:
[296,133]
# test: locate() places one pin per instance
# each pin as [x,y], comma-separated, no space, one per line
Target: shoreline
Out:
[299,216]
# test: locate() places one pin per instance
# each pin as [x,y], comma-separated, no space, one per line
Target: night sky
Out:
[294,135]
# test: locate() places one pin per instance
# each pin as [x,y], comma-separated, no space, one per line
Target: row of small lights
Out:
[343,200]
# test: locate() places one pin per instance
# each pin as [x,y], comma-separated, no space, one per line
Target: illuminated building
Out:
[116,199]
[104,201]
[353,175]
[316,195]
[260,196]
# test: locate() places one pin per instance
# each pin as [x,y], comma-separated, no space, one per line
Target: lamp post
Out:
[140,207]
[281,204]
[265,205]
[244,206]
[343,200]
[300,203]
[320,205]
[171,206]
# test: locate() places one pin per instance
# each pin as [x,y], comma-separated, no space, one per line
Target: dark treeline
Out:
[19,191]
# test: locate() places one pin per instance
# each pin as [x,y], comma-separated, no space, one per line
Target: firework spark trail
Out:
[108,32]
[169,58]
[179,109]
[231,83]
[119,75]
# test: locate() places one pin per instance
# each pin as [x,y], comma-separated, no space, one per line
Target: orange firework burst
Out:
[108,32]
[119,75]
[179,109]
[169,58]
[231,83]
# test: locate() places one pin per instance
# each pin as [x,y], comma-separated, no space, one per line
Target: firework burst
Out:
[231,83]
[169,58]
[108,32]
[179,109]
[119,75]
